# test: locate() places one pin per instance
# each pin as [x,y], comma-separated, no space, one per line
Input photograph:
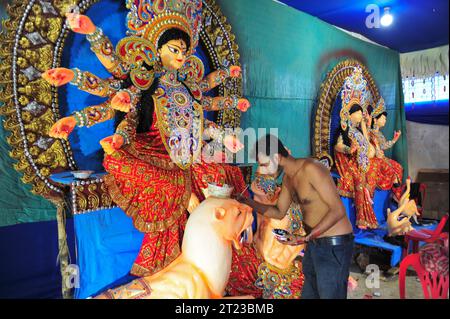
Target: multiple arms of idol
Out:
[119,99]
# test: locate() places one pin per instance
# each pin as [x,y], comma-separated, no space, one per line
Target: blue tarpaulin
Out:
[375,237]
[428,112]
[107,245]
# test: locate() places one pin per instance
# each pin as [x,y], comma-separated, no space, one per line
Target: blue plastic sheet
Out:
[375,237]
[107,245]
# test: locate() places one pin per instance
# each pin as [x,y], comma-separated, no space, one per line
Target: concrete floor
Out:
[389,288]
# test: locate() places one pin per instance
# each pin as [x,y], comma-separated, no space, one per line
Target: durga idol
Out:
[154,163]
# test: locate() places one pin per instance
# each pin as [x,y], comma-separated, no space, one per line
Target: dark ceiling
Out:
[418,24]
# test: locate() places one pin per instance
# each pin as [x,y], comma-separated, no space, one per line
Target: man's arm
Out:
[276,212]
[321,181]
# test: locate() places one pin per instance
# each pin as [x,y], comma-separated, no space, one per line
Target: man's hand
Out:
[63,128]
[58,76]
[269,211]
[80,23]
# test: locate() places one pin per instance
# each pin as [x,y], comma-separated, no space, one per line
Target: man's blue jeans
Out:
[326,270]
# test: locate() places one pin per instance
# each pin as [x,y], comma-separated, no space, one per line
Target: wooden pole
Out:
[63,250]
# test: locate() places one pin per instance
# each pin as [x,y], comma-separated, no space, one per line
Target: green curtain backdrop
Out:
[17,203]
[286,55]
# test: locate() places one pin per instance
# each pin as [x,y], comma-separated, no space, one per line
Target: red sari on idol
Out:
[390,172]
[358,180]
[154,191]
[380,173]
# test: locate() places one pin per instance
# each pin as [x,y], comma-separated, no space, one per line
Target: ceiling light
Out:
[387,18]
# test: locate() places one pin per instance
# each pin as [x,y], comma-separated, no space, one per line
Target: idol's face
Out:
[356,117]
[173,54]
[381,122]
[268,165]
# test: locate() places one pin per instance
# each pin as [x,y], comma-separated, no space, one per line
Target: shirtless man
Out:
[330,235]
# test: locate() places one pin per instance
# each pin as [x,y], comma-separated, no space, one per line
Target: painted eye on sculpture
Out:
[173,50]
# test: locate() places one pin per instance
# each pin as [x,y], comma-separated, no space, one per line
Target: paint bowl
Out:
[82,174]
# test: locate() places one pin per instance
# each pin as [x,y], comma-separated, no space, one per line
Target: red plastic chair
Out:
[425,235]
[434,286]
